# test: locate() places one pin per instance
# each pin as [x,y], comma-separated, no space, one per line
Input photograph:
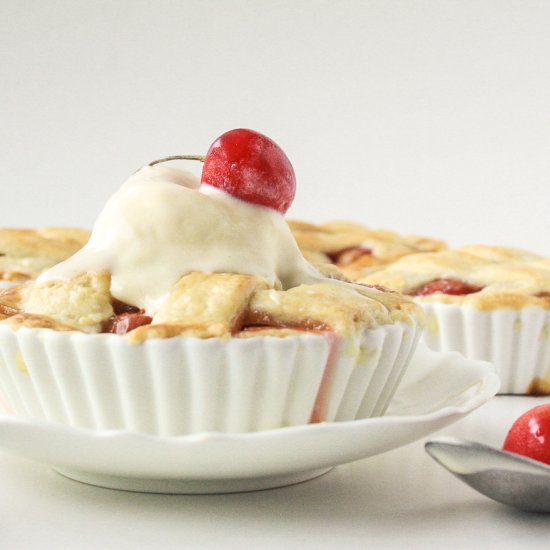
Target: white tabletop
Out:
[395,500]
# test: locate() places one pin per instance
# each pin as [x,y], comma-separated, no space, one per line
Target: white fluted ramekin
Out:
[179,386]
[517,342]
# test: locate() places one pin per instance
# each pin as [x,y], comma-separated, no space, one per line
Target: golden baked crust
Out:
[209,299]
[501,282]
[354,248]
[539,386]
[321,306]
[347,309]
[25,253]
[543,263]
[500,253]
[12,299]
[83,302]
[211,305]
[249,308]
[28,320]
[204,305]
[170,330]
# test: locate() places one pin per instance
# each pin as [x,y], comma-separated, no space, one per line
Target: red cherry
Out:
[530,434]
[251,167]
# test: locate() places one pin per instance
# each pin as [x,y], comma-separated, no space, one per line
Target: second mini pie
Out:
[490,303]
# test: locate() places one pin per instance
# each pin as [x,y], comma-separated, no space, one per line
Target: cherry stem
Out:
[178,157]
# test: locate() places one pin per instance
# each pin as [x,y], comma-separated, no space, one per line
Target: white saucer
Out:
[438,389]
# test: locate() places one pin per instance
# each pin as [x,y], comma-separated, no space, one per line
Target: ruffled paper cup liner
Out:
[517,342]
[187,385]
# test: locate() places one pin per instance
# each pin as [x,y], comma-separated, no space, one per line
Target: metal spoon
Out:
[505,477]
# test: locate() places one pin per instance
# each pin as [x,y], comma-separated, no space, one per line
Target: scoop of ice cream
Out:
[161,225]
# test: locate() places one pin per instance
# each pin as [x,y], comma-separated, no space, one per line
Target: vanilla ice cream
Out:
[162,224]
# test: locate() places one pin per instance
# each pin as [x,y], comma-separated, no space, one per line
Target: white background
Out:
[425,116]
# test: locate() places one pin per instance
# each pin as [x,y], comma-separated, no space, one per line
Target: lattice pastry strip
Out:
[203,305]
[355,249]
[24,253]
[83,302]
[206,305]
[317,307]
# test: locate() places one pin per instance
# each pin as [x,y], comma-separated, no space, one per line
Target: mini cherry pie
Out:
[481,277]
[191,309]
[487,302]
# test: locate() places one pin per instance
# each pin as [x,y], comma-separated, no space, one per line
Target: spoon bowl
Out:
[502,476]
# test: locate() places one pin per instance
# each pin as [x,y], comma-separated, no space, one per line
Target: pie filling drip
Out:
[455,287]
[322,401]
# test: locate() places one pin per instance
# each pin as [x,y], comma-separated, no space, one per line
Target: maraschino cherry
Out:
[530,434]
[250,167]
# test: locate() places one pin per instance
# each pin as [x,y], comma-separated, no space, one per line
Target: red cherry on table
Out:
[251,167]
[530,434]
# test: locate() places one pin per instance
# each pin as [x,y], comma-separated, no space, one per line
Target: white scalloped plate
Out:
[438,389]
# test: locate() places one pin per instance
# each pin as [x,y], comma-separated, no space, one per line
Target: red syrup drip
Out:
[322,401]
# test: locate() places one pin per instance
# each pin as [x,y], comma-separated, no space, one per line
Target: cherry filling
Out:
[454,287]
[348,255]
[121,307]
[125,319]
[125,322]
